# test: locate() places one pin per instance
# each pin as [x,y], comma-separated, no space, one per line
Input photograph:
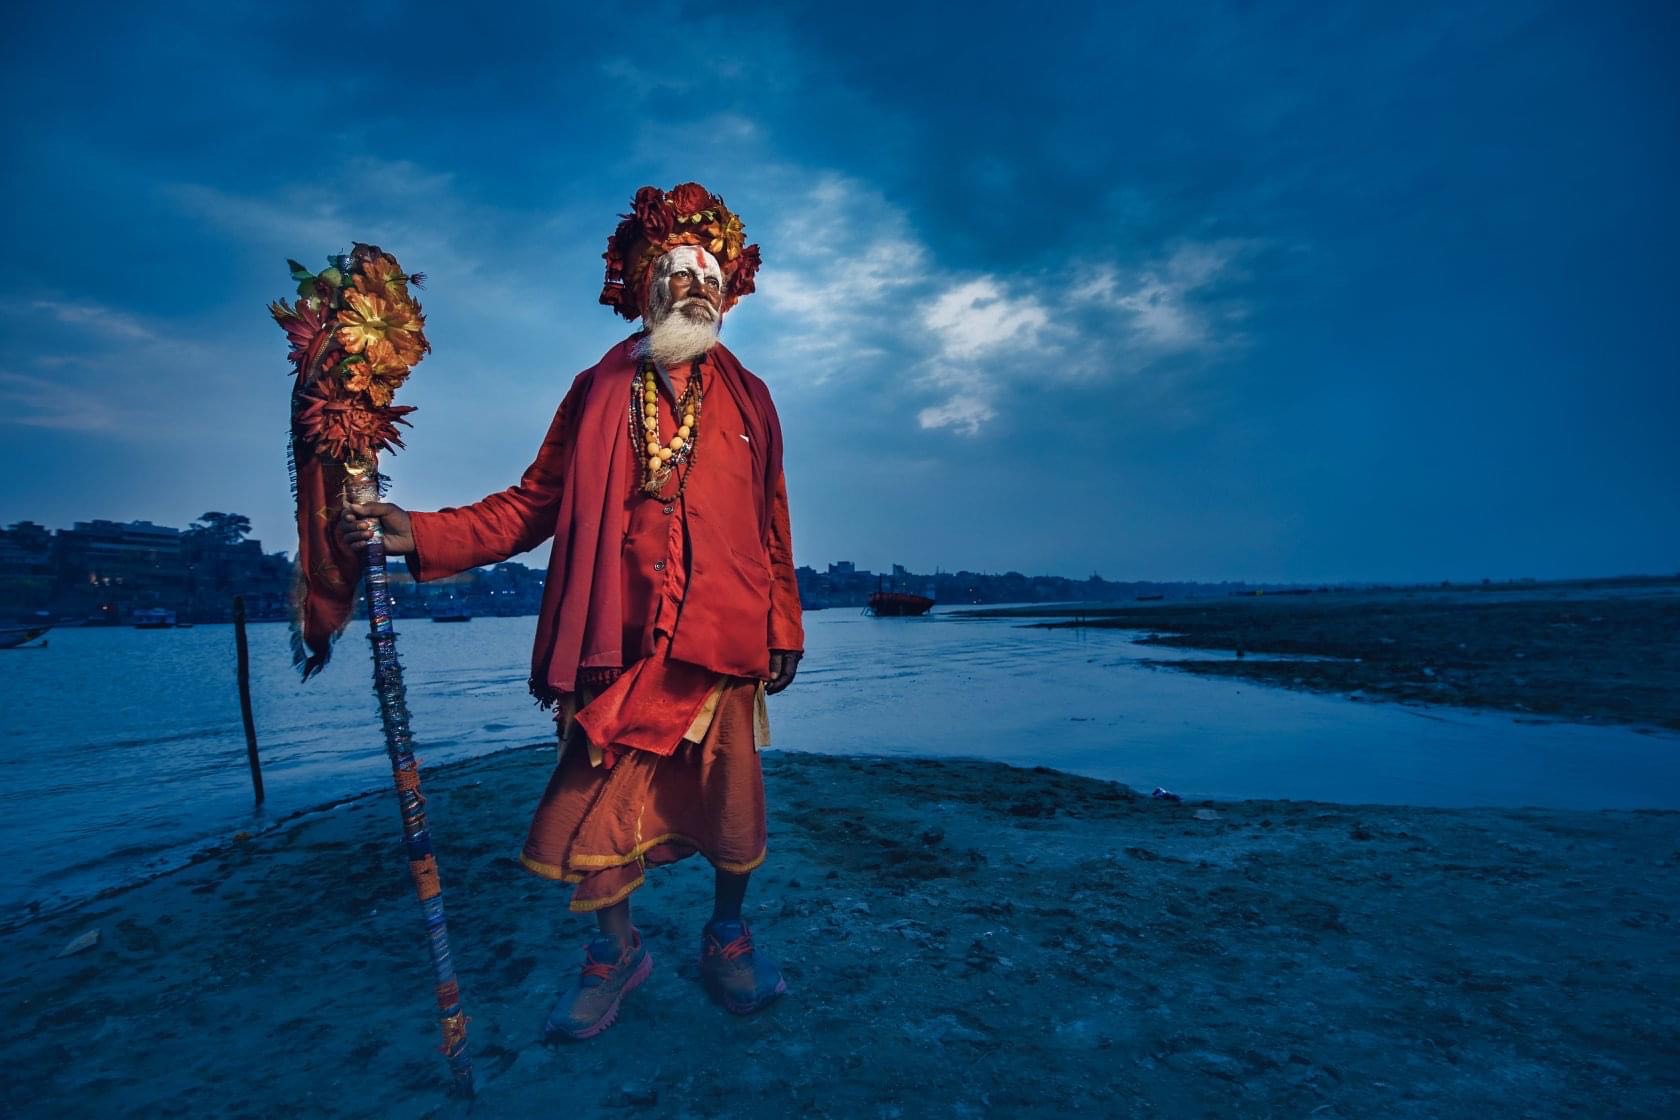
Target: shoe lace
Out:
[598,968]
[602,969]
[740,947]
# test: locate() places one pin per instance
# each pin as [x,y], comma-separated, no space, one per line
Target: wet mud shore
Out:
[1600,651]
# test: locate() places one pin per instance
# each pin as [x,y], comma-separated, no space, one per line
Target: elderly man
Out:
[670,609]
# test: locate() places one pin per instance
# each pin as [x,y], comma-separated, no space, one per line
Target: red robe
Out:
[723,594]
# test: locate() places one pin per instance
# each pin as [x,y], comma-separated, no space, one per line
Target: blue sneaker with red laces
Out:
[609,972]
[736,975]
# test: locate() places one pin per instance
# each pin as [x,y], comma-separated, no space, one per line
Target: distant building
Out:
[106,570]
[26,568]
[111,568]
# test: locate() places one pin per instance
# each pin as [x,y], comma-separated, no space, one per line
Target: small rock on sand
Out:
[81,944]
[1207,814]
[636,1095]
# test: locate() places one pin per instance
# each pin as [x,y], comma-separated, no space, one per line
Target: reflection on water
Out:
[121,749]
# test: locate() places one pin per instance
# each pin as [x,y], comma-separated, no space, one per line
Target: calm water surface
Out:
[121,750]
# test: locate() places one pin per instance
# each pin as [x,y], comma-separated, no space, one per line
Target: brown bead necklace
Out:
[660,459]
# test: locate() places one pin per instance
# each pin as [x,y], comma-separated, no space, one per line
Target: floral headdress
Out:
[660,221]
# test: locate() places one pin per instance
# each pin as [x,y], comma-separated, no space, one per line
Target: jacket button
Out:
[670,507]
[659,565]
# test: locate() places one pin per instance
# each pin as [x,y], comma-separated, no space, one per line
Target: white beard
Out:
[674,337]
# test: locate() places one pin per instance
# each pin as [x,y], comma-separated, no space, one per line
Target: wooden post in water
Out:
[245,695]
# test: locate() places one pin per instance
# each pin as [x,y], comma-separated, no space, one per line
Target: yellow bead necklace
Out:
[662,458]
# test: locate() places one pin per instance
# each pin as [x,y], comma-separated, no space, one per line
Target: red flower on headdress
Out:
[690,198]
[654,213]
[742,282]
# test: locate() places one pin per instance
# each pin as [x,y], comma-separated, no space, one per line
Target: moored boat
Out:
[153,618]
[451,611]
[11,637]
[897,604]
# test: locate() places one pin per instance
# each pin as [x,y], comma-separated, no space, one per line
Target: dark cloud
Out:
[1245,291]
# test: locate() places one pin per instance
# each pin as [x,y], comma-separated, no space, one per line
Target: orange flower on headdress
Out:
[726,237]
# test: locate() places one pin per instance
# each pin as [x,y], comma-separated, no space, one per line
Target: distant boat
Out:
[11,637]
[897,604]
[153,618]
[1149,598]
[451,612]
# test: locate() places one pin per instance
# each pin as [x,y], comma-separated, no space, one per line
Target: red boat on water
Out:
[897,604]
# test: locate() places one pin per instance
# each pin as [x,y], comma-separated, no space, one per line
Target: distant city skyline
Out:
[1370,293]
[843,565]
[108,572]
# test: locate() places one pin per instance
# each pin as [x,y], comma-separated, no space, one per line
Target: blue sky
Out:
[1221,291]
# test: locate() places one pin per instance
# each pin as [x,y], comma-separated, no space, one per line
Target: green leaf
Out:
[298,271]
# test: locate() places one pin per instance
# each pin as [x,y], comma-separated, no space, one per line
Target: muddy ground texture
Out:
[1599,651]
[959,939]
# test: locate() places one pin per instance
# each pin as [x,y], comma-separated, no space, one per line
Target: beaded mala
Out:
[662,458]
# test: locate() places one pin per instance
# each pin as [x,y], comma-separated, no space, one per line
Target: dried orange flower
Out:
[367,319]
[382,276]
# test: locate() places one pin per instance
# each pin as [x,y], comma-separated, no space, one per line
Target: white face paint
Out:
[674,338]
[707,272]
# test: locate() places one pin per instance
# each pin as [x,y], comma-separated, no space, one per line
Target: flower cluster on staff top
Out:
[659,221]
[355,333]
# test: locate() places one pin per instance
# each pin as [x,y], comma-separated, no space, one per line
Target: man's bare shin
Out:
[730,891]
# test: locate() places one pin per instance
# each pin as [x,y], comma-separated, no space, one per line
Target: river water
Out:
[121,750]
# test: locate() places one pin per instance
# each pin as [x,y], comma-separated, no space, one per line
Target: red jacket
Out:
[741,598]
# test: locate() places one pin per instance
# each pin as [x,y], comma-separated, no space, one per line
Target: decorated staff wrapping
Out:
[355,333]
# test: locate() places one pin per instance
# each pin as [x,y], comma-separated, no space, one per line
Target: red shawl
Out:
[576,488]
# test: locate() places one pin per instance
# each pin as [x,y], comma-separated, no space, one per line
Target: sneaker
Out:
[735,976]
[608,972]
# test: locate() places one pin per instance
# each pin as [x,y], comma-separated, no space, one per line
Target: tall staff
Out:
[356,332]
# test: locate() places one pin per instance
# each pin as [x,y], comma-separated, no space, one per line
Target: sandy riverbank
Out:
[959,938]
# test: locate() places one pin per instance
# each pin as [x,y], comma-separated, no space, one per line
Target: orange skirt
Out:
[600,827]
